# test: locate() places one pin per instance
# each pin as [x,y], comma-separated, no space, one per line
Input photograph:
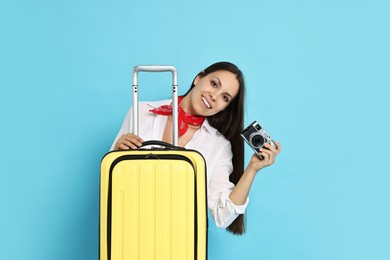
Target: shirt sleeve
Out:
[126,127]
[223,210]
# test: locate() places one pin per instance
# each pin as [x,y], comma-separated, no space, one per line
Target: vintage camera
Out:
[256,137]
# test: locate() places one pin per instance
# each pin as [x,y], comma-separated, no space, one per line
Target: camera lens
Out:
[256,140]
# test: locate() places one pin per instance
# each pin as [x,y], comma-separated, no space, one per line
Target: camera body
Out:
[255,136]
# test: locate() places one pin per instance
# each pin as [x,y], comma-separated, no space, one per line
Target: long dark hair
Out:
[230,123]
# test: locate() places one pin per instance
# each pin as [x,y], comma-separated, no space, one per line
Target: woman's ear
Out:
[200,75]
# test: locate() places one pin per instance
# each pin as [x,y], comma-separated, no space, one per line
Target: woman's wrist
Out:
[250,170]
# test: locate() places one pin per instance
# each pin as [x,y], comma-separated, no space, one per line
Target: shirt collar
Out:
[206,125]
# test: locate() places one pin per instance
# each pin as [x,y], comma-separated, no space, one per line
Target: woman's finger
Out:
[122,146]
[129,141]
[270,147]
[134,139]
[130,144]
[269,155]
[265,154]
[278,147]
[137,142]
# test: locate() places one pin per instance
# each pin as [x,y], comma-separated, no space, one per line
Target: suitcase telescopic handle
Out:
[156,68]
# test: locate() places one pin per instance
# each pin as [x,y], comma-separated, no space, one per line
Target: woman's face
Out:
[212,93]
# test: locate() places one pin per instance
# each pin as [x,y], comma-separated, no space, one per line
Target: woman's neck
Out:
[185,105]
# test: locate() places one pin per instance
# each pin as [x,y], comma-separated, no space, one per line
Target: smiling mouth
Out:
[206,103]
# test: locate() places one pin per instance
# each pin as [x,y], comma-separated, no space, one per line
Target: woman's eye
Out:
[226,99]
[213,83]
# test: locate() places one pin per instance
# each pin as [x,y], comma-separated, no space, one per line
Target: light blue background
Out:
[317,76]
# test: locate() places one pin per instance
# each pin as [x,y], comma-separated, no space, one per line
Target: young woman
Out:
[210,121]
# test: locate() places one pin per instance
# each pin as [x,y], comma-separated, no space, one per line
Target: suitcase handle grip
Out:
[157,68]
[161,143]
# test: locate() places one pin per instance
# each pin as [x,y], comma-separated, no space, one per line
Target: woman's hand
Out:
[128,141]
[269,153]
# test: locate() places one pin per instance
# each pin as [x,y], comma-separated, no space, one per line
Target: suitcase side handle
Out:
[161,144]
[157,68]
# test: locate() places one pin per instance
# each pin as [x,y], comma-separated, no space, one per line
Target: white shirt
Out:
[214,147]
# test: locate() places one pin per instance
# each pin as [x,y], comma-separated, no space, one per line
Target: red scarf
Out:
[184,118]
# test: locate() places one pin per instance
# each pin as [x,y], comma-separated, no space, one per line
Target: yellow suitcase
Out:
[153,204]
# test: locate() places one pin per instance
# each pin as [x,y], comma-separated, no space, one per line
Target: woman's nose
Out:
[212,96]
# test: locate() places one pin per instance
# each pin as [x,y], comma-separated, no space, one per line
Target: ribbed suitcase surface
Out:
[153,206]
